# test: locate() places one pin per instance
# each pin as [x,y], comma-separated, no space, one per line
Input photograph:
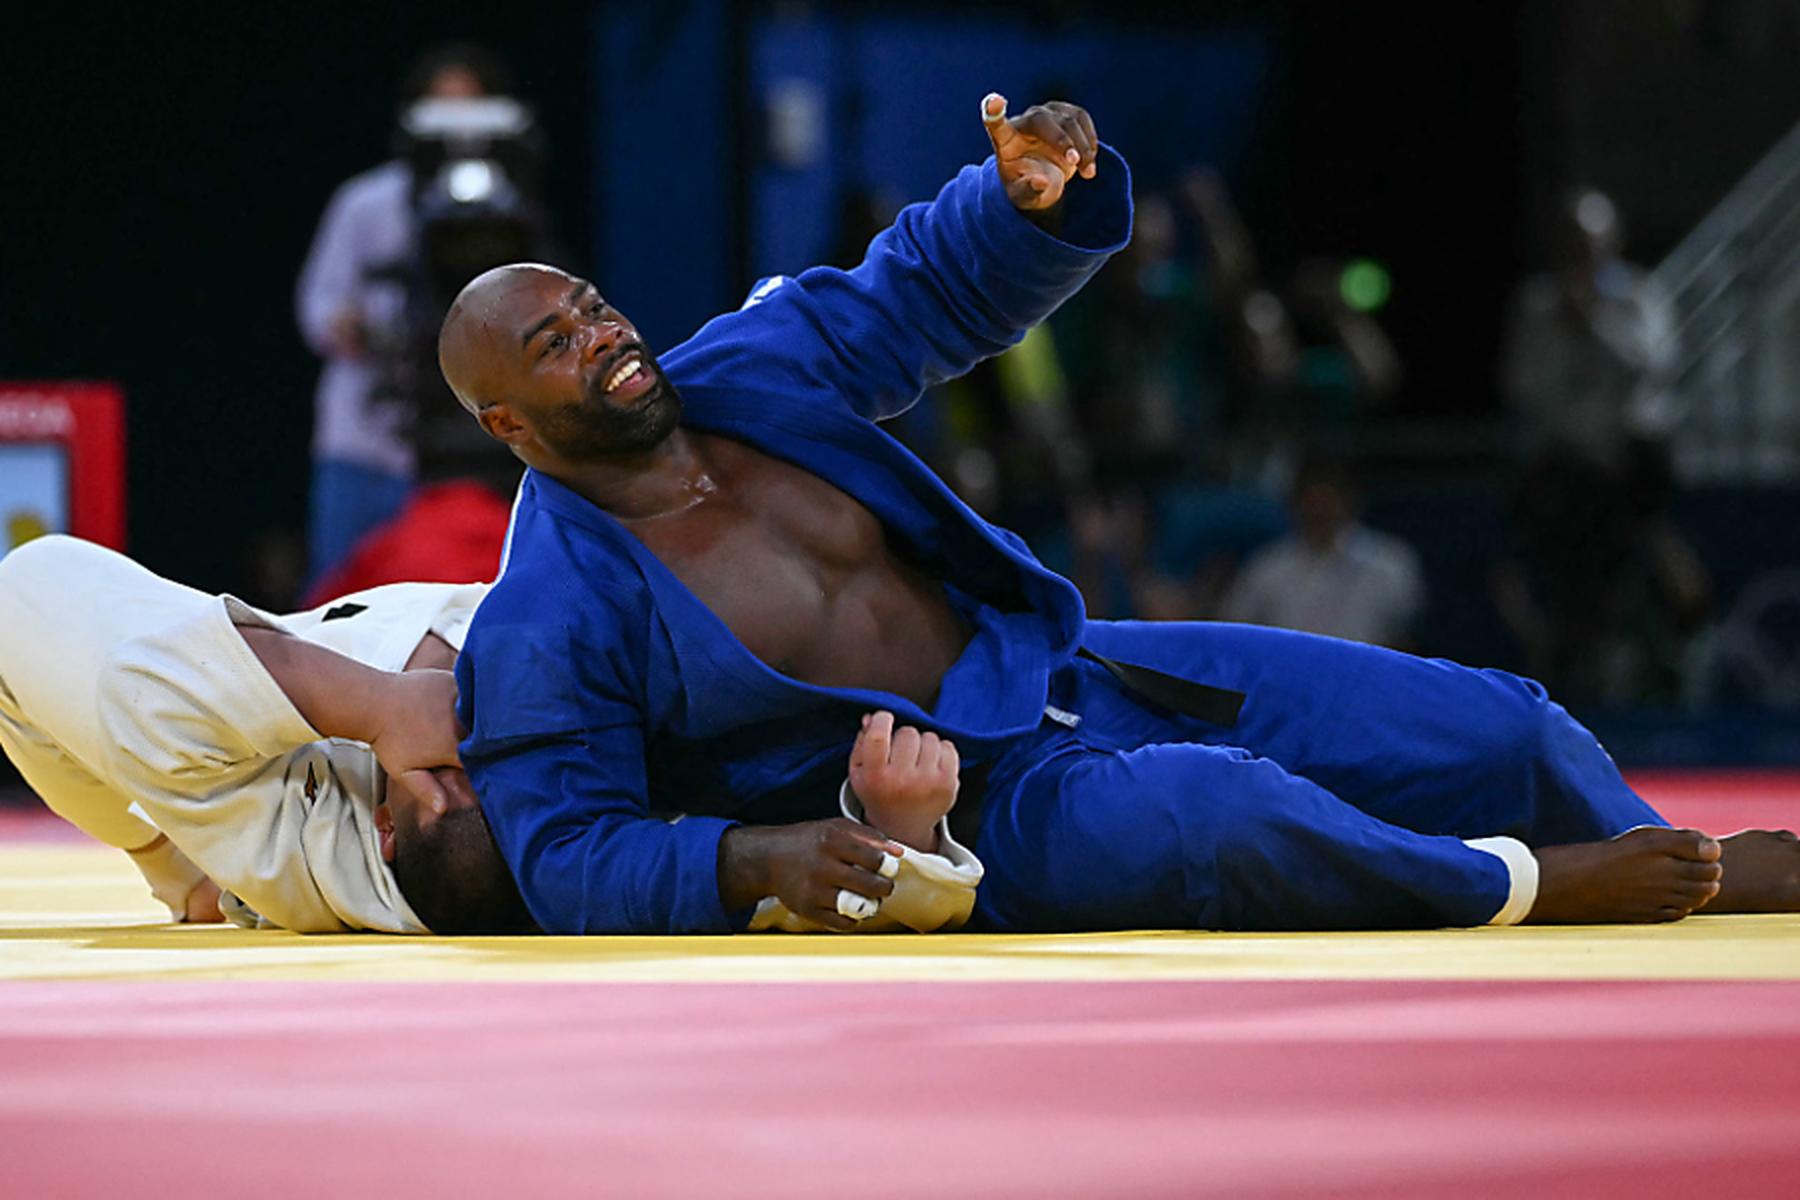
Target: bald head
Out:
[548,367]
[475,330]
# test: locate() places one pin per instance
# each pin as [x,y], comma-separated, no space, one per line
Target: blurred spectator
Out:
[1347,366]
[1148,351]
[1603,593]
[352,297]
[1256,357]
[1333,575]
[1003,435]
[1589,344]
[1178,368]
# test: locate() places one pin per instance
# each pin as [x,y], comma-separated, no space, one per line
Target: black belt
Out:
[1214,705]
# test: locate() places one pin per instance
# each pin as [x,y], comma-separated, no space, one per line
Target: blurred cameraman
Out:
[367,290]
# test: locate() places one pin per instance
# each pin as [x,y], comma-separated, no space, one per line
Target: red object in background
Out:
[87,420]
[447,533]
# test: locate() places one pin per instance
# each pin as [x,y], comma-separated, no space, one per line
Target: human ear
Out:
[384,831]
[503,425]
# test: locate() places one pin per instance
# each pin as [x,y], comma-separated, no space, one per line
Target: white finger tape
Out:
[992,118]
[857,908]
[890,866]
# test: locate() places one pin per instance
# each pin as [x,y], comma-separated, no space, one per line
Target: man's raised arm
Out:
[951,283]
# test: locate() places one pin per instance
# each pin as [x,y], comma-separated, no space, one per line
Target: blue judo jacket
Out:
[617,726]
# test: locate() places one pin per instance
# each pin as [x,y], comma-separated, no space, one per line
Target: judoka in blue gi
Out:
[719,562]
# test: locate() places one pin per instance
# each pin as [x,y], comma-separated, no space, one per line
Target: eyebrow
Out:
[575,293]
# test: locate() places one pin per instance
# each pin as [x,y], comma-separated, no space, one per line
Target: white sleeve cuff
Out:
[932,892]
[1521,867]
[452,624]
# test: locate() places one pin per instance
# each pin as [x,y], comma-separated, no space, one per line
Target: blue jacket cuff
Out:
[1097,212]
[700,909]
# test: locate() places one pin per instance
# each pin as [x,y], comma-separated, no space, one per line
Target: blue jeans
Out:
[348,500]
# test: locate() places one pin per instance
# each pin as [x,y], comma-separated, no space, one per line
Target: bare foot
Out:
[1762,873]
[1643,875]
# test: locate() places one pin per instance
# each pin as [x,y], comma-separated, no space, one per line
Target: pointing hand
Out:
[1040,150]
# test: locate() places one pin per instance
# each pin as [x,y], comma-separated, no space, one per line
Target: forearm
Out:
[338,696]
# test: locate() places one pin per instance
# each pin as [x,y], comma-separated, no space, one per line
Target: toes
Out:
[1755,836]
[1692,845]
[1696,894]
[1702,872]
[1669,912]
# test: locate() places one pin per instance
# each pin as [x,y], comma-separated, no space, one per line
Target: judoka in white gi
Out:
[212,739]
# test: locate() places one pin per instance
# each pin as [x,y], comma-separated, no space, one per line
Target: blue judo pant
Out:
[1340,800]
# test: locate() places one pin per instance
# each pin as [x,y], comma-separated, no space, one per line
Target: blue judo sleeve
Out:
[556,751]
[949,284]
[1343,797]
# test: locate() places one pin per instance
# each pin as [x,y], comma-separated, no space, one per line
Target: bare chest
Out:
[806,579]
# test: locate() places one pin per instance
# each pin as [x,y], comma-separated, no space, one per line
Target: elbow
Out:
[144,715]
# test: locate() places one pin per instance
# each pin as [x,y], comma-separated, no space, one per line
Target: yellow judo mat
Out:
[72,911]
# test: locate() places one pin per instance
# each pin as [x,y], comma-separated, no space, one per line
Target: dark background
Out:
[166,167]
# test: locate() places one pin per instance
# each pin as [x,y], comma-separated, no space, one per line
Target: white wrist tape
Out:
[857,908]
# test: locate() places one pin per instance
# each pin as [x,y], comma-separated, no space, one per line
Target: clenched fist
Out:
[906,780]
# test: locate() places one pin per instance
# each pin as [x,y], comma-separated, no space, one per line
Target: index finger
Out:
[456,785]
[866,845]
[873,744]
[425,788]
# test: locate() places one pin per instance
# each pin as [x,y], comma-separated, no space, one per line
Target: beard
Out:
[597,429]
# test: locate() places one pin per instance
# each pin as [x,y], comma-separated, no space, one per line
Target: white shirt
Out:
[1367,587]
[1589,387]
[367,226]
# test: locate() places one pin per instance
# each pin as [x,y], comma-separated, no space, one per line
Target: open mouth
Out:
[627,375]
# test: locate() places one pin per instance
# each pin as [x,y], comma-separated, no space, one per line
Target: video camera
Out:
[476,167]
